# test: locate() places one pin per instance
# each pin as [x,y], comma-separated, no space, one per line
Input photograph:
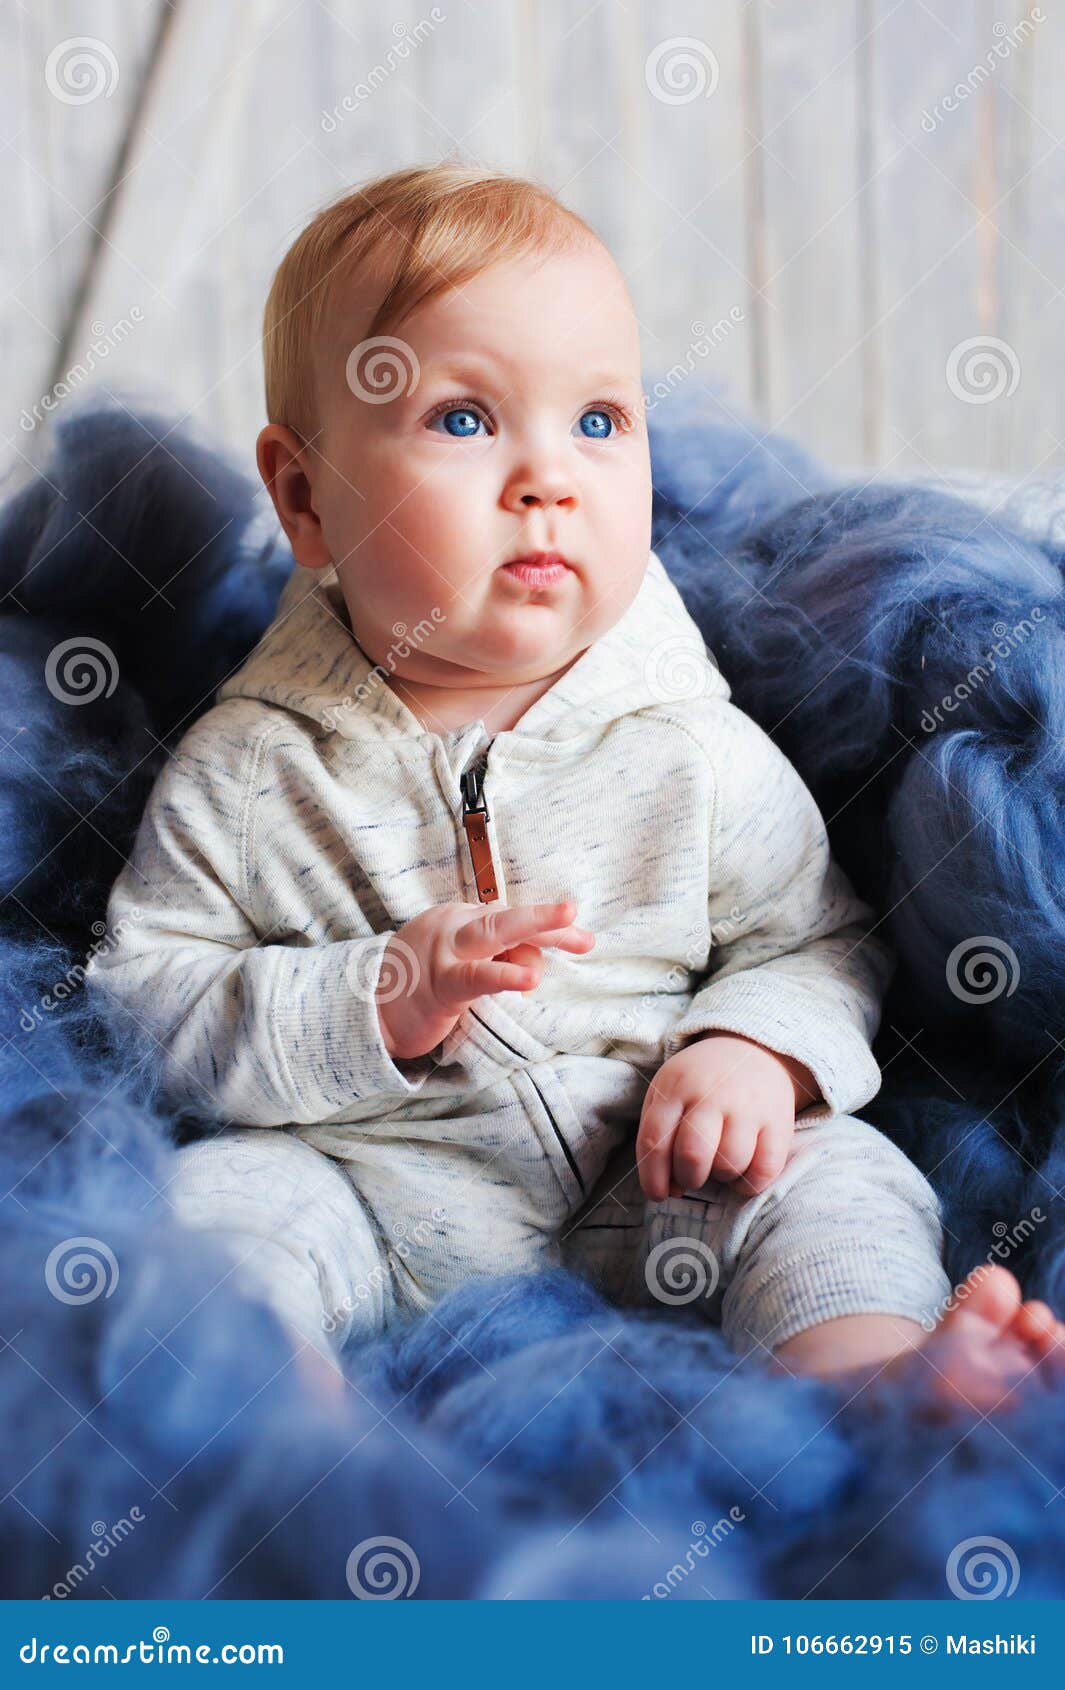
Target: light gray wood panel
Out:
[1029,429]
[941,255]
[225,164]
[688,177]
[803,223]
[811,105]
[70,79]
[469,94]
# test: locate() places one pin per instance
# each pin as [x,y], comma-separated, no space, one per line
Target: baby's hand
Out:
[452,954]
[722,1108]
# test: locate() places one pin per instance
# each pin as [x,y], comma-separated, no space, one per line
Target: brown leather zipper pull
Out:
[475,820]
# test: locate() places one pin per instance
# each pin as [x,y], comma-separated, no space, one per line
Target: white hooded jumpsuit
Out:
[308,814]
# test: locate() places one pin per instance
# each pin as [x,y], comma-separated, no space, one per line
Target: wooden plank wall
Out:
[864,197]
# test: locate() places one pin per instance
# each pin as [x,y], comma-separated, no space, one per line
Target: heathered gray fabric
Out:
[308,815]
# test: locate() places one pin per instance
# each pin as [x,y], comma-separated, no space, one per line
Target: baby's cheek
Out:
[434,548]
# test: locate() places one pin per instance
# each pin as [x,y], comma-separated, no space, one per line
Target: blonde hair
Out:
[433,227]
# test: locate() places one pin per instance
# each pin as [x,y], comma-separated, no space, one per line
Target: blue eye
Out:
[597,425]
[460,422]
[463,422]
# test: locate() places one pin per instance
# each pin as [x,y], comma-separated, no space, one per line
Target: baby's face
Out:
[523,432]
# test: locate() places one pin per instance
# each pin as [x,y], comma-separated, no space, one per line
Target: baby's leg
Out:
[847,1240]
[850,1228]
[987,1345]
[295,1229]
[837,1271]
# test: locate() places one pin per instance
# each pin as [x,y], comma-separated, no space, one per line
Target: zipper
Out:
[475,819]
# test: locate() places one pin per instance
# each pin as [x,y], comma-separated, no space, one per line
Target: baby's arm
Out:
[258,1033]
[784,1022]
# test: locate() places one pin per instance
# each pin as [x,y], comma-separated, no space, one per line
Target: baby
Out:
[481,711]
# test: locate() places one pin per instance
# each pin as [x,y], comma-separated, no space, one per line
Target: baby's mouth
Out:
[538,569]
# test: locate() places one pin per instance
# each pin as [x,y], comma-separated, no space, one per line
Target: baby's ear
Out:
[282,458]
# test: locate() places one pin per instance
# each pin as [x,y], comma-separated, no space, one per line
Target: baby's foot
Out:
[987,1349]
[990,1346]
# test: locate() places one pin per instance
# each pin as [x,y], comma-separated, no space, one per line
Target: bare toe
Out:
[991,1293]
[1036,1325]
[976,1353]
[990,1347]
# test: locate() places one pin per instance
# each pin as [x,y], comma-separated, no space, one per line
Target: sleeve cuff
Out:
[784,1019]
[327,1028]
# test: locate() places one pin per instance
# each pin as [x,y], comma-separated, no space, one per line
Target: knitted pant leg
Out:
[850,1226]
[293,1223]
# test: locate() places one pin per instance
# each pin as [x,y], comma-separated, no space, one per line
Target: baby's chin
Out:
[514,661]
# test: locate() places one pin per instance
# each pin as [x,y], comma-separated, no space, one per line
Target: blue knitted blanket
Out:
[906,650]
